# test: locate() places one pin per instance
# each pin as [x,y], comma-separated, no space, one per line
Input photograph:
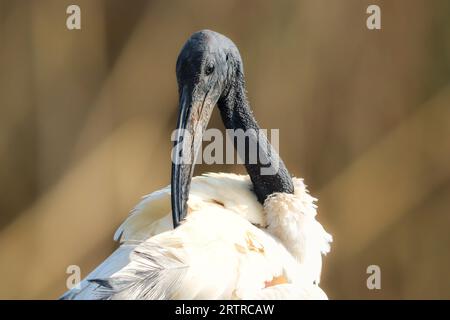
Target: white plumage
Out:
[235,237]
[229,247]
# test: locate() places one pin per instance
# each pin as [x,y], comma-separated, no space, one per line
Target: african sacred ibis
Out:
[233,236]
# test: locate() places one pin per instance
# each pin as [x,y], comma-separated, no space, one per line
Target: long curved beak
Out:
[194,113]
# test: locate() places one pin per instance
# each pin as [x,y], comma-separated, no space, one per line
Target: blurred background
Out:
[364,117]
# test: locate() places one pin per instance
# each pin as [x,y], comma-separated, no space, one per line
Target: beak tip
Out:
[186,148]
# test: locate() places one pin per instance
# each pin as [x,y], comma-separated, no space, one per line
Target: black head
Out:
[206,67]
[208,63]
[209,72]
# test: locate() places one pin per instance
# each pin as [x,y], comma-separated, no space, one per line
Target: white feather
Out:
[229,247]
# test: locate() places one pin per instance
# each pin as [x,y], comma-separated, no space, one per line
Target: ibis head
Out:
[209,71]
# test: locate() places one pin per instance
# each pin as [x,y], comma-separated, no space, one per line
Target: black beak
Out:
[194,113]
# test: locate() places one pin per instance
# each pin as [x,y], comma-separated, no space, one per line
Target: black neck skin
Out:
[236,114]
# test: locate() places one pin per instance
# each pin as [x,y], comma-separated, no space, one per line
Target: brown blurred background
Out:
[364,117]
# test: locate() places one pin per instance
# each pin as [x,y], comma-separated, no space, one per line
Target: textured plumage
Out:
[235,237]
[229,247]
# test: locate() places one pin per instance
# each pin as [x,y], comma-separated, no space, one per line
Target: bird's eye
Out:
[209,69]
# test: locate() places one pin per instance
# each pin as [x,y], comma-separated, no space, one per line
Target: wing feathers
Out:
[154,273]
[218,252]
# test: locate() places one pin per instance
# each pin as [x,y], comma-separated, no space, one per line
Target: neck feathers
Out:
[266,169]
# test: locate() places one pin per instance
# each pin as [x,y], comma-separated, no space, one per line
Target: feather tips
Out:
[218,252]
[154,273]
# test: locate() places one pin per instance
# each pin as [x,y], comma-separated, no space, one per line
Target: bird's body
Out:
[219,236]
[229,247]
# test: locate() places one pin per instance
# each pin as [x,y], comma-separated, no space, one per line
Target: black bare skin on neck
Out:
[209,70]
[236,114]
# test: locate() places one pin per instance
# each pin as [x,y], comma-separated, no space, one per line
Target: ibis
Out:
[218,235]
